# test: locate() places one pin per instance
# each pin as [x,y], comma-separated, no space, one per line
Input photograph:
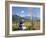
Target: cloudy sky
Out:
[26,11]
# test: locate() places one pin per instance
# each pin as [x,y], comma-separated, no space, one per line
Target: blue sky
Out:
[26,11]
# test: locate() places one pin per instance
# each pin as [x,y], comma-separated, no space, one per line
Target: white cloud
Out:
[22,11]
[29,15]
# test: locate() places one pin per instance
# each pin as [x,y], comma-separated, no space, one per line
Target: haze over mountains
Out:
[16,17]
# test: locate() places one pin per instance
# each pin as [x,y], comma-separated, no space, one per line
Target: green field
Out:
[35,25]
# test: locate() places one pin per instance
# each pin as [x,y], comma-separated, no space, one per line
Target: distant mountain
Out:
[16,18]
[36,18]
[27,18]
